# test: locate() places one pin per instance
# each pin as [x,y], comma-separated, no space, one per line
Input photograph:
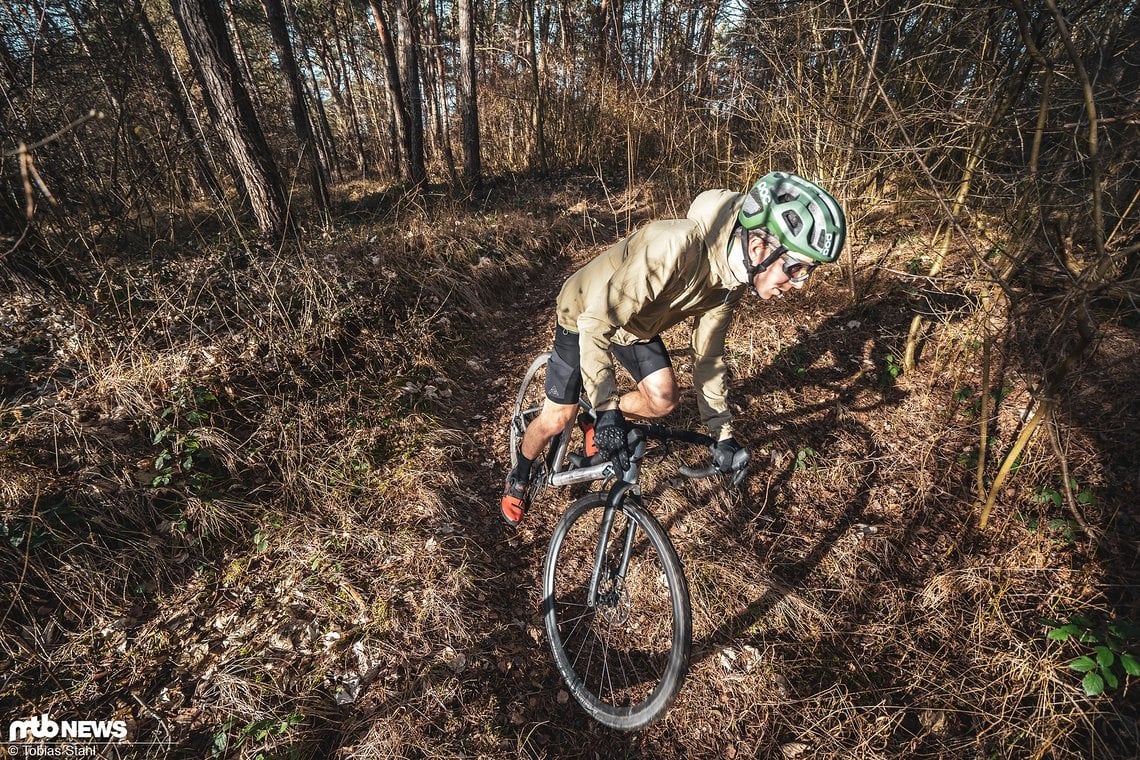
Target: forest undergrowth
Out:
[248,504]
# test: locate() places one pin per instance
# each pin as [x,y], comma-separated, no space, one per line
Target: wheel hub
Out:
[614,606]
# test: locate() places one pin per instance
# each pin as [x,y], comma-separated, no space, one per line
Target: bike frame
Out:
[557,476]
[627,482]
[605,593]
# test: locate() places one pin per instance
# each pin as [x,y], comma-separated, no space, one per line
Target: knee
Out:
[555,417]
[661,400]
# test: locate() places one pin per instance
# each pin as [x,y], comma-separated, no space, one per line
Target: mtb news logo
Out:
[44,727]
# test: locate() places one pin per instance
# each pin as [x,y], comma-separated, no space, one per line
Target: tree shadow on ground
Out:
[830,383]
[1091,522]
[100,543]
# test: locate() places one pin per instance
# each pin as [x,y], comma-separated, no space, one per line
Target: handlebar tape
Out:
[701,472]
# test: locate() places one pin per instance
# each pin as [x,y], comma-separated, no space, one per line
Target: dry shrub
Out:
[292,547]
[334,585]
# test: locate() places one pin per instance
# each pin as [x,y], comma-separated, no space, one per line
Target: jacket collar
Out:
[716,212]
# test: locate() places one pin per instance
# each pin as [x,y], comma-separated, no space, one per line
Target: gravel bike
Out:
[615,600]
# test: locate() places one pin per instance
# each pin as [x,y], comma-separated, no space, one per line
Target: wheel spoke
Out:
[606,671]
[618,652]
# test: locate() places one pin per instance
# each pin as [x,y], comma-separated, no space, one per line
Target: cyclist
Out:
[668,271]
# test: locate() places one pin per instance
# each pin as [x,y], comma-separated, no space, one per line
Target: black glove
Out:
[730,456]
[610,438]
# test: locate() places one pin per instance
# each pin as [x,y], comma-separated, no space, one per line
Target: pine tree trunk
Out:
[242,57]
[212,57]
[468,102]
[536,119]
[350,97]
[406,22]
[435,72]
[394,87]
[205,172]
[331,156]
[318,175]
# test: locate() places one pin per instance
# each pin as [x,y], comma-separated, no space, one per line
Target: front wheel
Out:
[625,657]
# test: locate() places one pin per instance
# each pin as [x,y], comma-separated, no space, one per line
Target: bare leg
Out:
[656,396]
[551,421]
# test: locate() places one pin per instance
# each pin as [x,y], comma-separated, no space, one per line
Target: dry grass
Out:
[329,579]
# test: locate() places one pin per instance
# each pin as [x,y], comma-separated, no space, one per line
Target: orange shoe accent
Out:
[591,447]
[515,502]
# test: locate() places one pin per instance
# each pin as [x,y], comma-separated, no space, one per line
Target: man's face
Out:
[772,281]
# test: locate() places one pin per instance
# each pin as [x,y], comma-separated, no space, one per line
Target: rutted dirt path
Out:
[506,563]
[518,675]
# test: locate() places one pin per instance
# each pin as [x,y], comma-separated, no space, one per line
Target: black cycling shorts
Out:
[564,370]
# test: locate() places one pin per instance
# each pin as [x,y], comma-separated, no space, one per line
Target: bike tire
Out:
[528,403]
[646,650]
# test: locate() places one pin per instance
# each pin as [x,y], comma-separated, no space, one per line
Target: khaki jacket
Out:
[664,273]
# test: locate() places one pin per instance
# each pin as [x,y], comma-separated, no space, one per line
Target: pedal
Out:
[577,461]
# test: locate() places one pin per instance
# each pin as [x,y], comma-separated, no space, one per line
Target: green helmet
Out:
[803,216]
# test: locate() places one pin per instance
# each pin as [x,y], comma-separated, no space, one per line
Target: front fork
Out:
[613,504]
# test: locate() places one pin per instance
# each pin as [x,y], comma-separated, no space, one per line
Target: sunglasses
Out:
[796,271]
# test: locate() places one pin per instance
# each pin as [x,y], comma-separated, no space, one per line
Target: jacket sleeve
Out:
[709,370]
[649,260]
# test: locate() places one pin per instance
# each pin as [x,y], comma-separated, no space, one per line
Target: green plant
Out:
[1057,525]
[805,459]
[182,449]
[179,455]
[971,402]
[261,535]
[189,401]
[258,730]
[893,368]
[16,532]
[33,532]
[1047,493]
[794,359]
[1067,528]
[1112,656]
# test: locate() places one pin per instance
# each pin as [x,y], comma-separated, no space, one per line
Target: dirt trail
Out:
[506,563]
[529,700]
[839,608]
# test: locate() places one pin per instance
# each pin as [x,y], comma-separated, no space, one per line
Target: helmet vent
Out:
[792,219]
